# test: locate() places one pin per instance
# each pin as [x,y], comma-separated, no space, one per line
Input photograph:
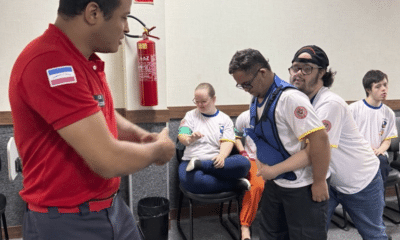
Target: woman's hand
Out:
[219,161]
[195,136]
[186,139]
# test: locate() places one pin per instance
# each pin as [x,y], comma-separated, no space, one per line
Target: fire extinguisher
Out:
[147,67]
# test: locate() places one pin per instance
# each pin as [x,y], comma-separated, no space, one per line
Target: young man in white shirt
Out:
[356,182]
[375,120]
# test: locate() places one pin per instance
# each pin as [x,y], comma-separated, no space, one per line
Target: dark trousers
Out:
[290,213]
[114,223]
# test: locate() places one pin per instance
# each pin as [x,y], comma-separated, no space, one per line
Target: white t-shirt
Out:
[215,128]
[353,163]
[295,118]
[376,124]
[242,122]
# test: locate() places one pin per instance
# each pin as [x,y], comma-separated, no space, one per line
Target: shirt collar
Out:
[94,59]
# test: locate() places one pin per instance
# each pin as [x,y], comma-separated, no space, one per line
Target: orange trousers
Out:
[251,198]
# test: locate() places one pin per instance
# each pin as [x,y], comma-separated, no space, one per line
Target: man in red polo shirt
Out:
[74,145]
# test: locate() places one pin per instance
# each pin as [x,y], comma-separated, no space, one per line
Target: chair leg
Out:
[392,213]
[221,209]
[224,223]
[3,216]
[346,221]
[178,218]
[343,226]
[191,218]
[230,217]
[239,209]
[398,196]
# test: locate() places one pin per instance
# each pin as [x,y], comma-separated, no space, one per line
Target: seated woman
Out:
[209,136]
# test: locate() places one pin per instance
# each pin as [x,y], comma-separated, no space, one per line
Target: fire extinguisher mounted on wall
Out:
[147,66]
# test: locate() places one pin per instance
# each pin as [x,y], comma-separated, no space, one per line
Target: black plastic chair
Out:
[221,198]
[14,168]
[3,203]
[391,210]
[341,219]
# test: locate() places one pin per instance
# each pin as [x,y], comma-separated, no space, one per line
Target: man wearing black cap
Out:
[356,182]
[282,120]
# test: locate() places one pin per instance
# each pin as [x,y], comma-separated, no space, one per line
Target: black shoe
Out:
[194,163]
[243,184]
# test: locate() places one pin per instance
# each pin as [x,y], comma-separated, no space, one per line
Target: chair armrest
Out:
[395,156]
[395,165]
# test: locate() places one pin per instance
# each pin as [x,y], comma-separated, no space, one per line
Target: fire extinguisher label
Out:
[144,58]
[142,46]
[147,68]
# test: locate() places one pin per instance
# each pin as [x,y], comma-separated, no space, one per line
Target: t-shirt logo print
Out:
[300,112]
[384,124]
[221,130]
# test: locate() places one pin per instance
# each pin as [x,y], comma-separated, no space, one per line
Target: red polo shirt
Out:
[53,85]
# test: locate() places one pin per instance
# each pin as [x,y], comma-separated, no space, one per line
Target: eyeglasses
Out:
[247,85]
[306,69]
[200,102]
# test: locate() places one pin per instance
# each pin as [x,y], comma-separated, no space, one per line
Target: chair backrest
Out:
[179,149]
[394,145]
[14,161]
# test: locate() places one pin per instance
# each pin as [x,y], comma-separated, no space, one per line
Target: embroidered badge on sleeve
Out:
[327,125]
[61,75]
[300,112]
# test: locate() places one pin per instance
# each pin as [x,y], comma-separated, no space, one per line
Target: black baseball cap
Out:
[318,56]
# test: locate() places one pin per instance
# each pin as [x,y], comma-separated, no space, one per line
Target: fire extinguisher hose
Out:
[137,19]
[146,30]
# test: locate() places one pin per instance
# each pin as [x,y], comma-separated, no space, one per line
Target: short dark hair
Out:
[72,8]
[209,87]
[245,60]
[373,76]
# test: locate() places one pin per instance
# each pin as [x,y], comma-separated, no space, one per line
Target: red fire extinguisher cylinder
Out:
[147,72]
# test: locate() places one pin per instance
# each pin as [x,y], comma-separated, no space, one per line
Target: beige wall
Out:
[198,39]
[21,21]
[202,36]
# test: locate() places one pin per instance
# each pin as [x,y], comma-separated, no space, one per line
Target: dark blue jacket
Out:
[264,133]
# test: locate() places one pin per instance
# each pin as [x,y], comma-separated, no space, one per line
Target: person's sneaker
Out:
[193,164]
[243,184]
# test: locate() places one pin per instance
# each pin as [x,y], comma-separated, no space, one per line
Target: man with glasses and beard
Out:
[282,123]
[356,181]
